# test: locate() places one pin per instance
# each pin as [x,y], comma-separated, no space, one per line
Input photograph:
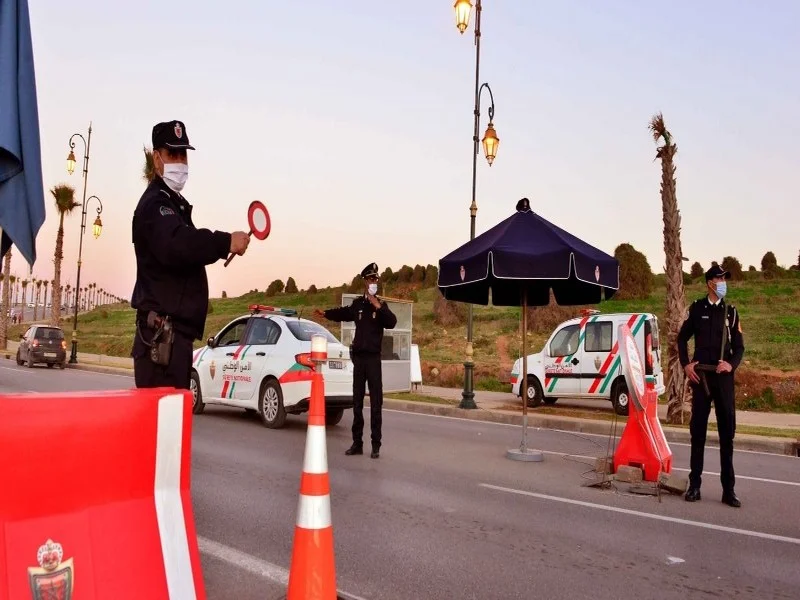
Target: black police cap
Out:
[171,135]
[370,270]
[717,271]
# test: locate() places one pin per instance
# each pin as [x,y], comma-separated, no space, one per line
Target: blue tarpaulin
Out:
[22,208]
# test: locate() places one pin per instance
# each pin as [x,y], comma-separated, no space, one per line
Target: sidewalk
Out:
[503,407]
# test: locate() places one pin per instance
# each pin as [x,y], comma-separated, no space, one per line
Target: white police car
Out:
[255,363]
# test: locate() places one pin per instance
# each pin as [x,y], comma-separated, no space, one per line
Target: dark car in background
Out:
[42,344]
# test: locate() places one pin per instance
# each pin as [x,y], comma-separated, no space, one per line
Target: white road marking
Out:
[251,564]
[646,515]
[605,436]
[84,371]
[674,560]
[738,476]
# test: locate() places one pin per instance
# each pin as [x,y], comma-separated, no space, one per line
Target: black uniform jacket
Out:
[370,323]
[705,322]
[171,255]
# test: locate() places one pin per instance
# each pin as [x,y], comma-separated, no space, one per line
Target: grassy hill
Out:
[770,314]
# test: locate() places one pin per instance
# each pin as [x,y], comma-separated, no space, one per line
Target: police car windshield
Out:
[303,330]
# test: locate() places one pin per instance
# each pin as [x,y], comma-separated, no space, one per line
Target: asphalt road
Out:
[444,514]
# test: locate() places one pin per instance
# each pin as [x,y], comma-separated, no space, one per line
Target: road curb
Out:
[755,443]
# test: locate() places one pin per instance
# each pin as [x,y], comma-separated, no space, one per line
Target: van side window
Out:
[565,341]
[598,336]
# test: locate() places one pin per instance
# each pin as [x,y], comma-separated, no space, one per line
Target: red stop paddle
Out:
[259,221]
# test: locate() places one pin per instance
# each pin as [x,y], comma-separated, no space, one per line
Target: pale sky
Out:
[352,121]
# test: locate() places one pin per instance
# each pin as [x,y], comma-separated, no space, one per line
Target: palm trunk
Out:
[676,296]
[55,312]
[5,306]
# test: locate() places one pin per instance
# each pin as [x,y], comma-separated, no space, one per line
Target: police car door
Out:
[223,362]
[598,341]
[561,365]
[260,340]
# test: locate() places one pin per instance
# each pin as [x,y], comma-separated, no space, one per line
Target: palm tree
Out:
[148,170]
[24,294]
[14,285]
[676,298]
[5,305]
[36,302]
[64,196]
[69,296]
[45,285]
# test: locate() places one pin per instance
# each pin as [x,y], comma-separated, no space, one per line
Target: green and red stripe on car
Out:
[550,382]
[612,361]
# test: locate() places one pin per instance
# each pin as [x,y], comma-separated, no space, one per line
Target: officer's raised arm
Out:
[339,314]
[387,317]
[175,243]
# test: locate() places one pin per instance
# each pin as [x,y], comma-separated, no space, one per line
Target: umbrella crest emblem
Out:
[597,273]
[463,272]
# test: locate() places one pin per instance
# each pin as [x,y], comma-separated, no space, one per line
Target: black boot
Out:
[375,451]
[693,495]
[356,448]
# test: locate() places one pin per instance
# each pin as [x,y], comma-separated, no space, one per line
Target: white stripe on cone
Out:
[169,508]
[314,512]
[316,454]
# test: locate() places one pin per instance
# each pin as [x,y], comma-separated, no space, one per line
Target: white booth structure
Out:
[396,348]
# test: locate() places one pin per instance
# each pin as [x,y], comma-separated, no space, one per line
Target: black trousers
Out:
[722,394]
[147,374]
[367,369]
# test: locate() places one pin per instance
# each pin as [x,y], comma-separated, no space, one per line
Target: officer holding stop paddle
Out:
[171,291]
[719,348]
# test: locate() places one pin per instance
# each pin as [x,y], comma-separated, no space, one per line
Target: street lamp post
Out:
[463,8]
[96,228]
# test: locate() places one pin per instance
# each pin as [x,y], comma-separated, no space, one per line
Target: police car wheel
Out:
[620,398]
[197,396]
[270,405]
[333,416]
[534,392]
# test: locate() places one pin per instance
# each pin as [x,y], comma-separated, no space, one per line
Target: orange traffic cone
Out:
[312,575]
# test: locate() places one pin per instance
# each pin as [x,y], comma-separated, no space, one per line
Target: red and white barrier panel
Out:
[95,499]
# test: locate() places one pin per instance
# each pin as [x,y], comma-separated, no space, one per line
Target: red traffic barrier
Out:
[95,500]
[643,443]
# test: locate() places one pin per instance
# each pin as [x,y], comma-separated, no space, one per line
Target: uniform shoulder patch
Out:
[166,210]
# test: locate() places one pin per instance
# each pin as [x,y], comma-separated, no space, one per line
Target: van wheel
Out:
[533,392]
[620,398]
[550,400]
[270,405]
[198,406]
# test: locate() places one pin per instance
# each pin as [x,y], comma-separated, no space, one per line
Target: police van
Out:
[581,360]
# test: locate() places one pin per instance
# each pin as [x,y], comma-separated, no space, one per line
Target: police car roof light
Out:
[261,308]
[587,312]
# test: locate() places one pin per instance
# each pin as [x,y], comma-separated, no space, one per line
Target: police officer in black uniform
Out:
[171,291]
[371,316]
[719,348]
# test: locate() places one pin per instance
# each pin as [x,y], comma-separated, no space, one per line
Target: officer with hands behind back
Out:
[719,348]
[171,291]
[371,316]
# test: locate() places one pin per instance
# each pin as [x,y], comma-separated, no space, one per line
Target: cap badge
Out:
[178,131]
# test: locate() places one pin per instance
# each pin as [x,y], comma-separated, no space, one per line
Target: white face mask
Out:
[175,175]
[373,289]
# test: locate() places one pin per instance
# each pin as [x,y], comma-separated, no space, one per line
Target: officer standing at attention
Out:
[371,316]
[171,291]
[719,348]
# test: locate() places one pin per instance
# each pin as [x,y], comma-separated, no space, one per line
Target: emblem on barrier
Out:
[212,369]
[52,579]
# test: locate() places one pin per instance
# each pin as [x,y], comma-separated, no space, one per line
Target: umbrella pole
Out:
[524,446]
[522,453]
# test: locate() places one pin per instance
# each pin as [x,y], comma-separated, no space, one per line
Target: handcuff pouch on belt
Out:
[163,338]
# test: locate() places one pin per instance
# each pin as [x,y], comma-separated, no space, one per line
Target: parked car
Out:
[42,344]
[254,363]
[581,360]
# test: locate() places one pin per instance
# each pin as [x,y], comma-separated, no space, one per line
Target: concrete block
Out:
[629,474]
[604,464]
[675,484]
